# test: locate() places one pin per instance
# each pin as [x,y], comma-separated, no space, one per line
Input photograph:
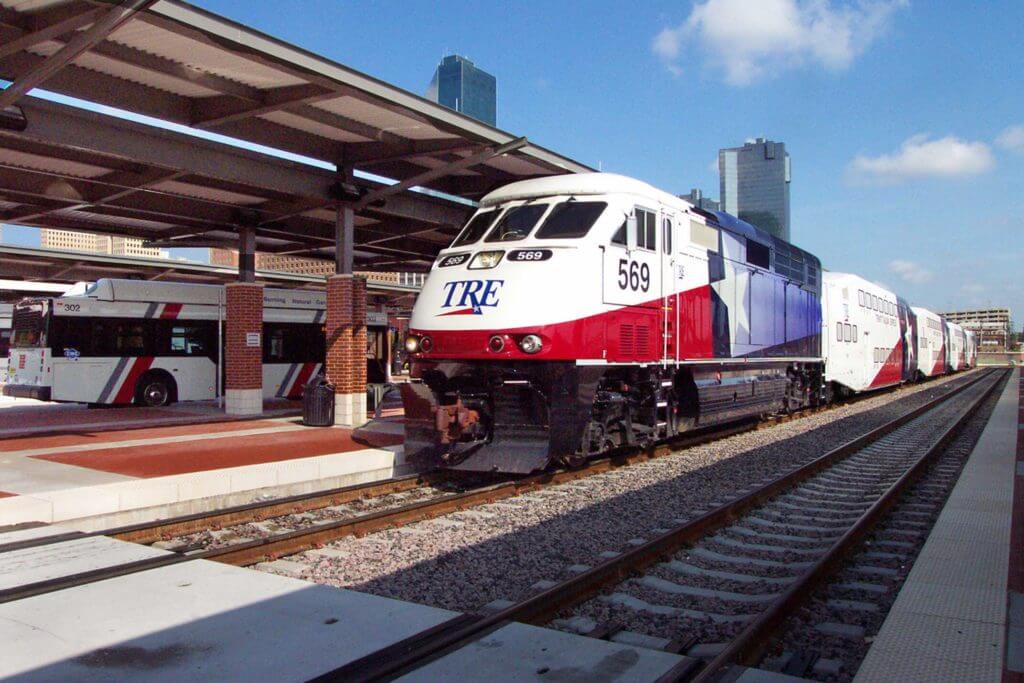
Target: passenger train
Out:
[579,313]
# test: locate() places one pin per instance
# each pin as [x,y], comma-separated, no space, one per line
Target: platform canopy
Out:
[28,269]
[64,167]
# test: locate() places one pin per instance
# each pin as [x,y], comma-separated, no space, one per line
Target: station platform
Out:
[962,599]
[203,620]
[100,468]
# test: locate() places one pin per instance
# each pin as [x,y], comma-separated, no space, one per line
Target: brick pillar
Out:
[358,386]
[243,354]
[346,347]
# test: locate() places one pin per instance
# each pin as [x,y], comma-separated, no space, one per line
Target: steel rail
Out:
[749,645]
[292,542]
[150,532]
[541,607]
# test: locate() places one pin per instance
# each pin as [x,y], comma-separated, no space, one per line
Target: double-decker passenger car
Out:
[152,343]
[869,334]
[581,312]
[931,347]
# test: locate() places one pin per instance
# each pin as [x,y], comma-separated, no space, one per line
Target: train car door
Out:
[631,277]
[669,304]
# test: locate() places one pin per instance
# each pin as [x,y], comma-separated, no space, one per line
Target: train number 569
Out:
[634,276]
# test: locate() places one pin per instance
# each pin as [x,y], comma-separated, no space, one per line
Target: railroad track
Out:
[437,494]
[719,586]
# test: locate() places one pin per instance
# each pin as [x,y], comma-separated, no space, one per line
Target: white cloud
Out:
[973,288]
[1012,139]
[751,40]
[919,157]
[909,271]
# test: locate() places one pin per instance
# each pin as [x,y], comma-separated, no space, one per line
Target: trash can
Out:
[318,403]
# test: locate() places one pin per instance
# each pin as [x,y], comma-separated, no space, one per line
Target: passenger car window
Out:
[475,228]
[571,220]
[516,223]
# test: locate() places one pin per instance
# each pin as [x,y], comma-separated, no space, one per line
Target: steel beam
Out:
[81,43]
[42,31]
[209,112]
[441,171]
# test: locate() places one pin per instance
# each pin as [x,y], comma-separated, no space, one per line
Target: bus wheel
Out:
[153,391]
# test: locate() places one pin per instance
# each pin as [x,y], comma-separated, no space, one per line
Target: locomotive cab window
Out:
[516,223]
[620,236]
[571,220]
[646,232]
[475,228]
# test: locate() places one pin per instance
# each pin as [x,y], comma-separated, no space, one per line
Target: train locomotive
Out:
[579,313]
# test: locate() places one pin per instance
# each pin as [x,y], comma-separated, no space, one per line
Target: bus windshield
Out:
[28,324]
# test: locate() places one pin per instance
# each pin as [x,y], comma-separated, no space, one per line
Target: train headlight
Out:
[531,343]
[496,344]
[486,259]
[412,343]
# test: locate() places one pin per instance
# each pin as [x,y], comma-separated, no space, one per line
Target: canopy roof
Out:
[169,60]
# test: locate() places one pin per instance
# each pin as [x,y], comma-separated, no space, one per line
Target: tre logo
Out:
[470,297]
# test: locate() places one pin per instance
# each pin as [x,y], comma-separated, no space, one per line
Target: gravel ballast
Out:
[464,560]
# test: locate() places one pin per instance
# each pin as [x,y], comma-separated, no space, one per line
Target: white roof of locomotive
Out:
[581,184]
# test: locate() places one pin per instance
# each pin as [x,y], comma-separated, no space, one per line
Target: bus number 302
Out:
[634,276]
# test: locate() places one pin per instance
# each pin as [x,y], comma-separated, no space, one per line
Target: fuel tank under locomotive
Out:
[518,417]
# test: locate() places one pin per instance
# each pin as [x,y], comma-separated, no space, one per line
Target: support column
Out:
[243,349]
[357,389]
[243,340]
[338,330]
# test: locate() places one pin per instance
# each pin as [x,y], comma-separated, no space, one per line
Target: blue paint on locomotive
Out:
[765,294]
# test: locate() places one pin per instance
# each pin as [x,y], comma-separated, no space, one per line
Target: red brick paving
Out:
[93,437]
[50,416]
[158,460]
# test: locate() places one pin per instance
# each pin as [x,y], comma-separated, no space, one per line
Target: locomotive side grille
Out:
[627,340]
[643,340]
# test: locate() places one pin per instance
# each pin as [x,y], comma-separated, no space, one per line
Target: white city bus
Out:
[153,343]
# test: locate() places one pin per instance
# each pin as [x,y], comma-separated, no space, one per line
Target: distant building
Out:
[697,198]
[754,182]
[71,240]
[279,263]
[458,84]
[299,265]
[991,325]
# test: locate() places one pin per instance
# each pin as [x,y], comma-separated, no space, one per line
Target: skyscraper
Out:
[458,84]
[754,183]
[697,198]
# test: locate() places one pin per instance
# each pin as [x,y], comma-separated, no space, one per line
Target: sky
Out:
[904,120]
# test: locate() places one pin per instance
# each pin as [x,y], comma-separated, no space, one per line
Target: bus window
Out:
[188,340]
[129,339]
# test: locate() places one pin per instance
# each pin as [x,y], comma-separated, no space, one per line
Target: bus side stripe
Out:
[171,311]
[112,381]
[307,371]
[142,363]
[283,389]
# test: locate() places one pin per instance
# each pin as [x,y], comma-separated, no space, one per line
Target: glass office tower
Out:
[458,84]
[755,184]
